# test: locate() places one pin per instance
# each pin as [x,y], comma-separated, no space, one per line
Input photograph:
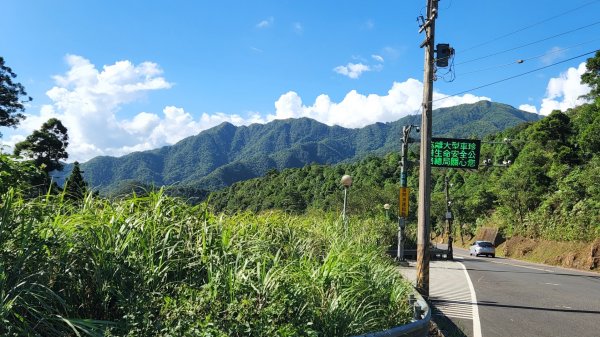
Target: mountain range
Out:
[224,154]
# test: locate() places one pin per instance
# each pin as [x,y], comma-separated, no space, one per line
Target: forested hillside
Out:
[225,154]
[550,189]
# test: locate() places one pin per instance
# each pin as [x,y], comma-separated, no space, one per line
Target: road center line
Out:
[475,309]
[520,265]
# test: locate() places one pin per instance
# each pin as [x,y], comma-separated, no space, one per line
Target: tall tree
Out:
[11,92]
[76,188]
[592,76]
[46,146]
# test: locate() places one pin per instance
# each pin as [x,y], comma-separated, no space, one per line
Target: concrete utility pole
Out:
[448,217]
[403,185]
[425,158]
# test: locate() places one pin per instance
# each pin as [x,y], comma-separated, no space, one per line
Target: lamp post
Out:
[346,181]
[447,186]
[386,207]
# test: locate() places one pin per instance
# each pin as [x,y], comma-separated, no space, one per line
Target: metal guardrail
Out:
[419,327]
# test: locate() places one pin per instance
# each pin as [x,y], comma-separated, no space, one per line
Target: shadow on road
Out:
[448,328]
[590,277]
[495,304]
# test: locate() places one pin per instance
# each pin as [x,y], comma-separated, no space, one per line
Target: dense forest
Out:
[225,154]
[542,182]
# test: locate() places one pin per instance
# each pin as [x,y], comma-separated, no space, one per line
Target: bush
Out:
[156,266]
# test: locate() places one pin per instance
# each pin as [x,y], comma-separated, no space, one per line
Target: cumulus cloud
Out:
[358,110]
[266,23]
[352,70]
[528,108]
[563,92]
[88,99]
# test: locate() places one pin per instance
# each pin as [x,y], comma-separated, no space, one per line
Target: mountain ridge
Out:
[224,154]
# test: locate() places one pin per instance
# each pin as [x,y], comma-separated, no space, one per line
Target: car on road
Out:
[482,248]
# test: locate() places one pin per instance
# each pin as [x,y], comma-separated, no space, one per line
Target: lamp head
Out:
[346,181]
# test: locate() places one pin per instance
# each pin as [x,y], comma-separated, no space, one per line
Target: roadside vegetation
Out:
[156,266]
[75,264]
[542,182]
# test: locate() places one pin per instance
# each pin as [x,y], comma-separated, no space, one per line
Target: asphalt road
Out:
[516,298]
[489,297]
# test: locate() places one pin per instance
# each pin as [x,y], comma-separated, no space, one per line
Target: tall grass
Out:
[156,266]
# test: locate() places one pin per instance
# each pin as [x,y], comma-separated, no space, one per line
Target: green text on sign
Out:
[455,153]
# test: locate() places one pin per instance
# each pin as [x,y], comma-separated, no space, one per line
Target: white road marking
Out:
[475,309]
[459,258]
[519,265]
[552,284]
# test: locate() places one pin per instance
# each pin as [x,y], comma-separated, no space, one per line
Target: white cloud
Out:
[265,23]
[528,108]
[552,55]
[88,100]
[298,28]
[352,70]
[563,92]
[358,110]
[377,58]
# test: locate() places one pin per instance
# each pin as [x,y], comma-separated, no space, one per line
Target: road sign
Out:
[403,202]
[455,153]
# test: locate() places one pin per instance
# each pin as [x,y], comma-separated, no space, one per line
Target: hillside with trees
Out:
[550,189]
[542,181]
[225,154]
[76,264]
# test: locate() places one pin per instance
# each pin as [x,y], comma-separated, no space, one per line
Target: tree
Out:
[11,92]
[76,188]
[592,76]
[47,146]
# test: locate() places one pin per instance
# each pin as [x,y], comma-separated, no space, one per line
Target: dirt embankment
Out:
[580,255]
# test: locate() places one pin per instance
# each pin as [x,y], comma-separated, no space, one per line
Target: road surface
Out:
[505,297]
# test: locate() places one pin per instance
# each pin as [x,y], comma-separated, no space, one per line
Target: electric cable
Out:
[521,61]
[530,26]
[530,43]
[515,76]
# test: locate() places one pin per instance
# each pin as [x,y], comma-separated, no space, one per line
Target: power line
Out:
[530,26]
[520,61]
[530,43]
[515,76]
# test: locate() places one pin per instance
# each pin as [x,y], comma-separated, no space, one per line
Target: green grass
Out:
[156,266]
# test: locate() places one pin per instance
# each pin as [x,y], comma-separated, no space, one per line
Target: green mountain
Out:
[549,190]
[225,154]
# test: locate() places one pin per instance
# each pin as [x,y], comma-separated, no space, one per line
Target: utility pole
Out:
[448,217]
[403,185]
[425,158]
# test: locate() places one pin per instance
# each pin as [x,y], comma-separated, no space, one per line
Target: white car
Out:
[482,248]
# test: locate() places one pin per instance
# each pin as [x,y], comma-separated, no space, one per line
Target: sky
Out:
[128,76]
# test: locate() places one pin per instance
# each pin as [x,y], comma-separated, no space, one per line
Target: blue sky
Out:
[135,75]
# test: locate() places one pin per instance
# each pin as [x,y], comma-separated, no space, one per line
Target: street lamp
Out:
[386,207]
[346,182]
